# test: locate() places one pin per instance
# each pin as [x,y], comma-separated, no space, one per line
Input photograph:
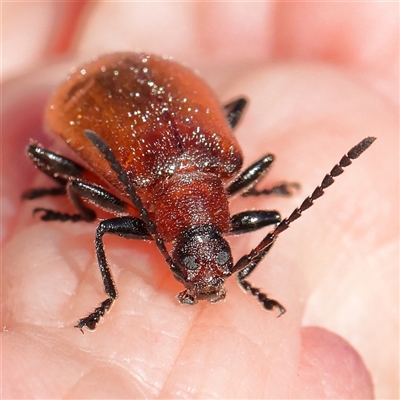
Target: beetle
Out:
[160,155]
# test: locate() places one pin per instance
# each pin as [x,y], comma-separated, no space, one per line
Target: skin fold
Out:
[317,86]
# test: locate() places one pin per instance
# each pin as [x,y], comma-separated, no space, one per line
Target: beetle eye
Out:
[222,257]
[189,262]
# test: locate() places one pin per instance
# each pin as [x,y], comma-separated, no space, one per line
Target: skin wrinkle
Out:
[145,382]
[249,339]
[179,353]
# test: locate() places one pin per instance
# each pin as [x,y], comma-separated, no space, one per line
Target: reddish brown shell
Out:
[158,118]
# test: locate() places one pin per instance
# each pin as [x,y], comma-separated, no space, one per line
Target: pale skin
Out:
[335,268]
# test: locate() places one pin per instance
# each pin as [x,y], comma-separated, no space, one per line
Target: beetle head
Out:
[203,259]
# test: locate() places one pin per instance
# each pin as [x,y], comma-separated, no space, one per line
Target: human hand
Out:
[330,269]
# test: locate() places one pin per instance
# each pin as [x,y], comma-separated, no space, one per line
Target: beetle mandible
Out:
[161,156]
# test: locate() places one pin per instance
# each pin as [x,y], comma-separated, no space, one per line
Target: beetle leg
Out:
[268,304]
[283,189]
[51,215]
[128,228]
[36,193]
[84,213]
[78,190]
[244,183]
[62,170]
[57,167]
[234,111]
[53,165]
[250,176]
[95,194]
[131,192]
[250,221]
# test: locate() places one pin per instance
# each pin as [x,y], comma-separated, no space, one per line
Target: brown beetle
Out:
[162,157]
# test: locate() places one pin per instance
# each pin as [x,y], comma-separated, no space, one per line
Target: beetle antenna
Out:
[116,166]
[258,252]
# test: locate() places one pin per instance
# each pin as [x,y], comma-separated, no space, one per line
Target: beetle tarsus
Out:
[285,189]
[51,215]
[268,304]
[37,193]
[93,319]
[234,111]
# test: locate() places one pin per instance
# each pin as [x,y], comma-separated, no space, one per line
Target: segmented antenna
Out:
[337,170]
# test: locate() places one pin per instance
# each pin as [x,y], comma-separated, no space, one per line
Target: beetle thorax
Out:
[187,200]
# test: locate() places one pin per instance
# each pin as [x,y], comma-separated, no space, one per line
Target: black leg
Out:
[268,304]
[51,215]
[97,195]
[131,192]
[250,176]
[245,182]
[36,193]
[234,111]
[250,221]
[126,227]
[246,264]
[67,173]
[78,190]
[59,168]
[283,189]
[62,170]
